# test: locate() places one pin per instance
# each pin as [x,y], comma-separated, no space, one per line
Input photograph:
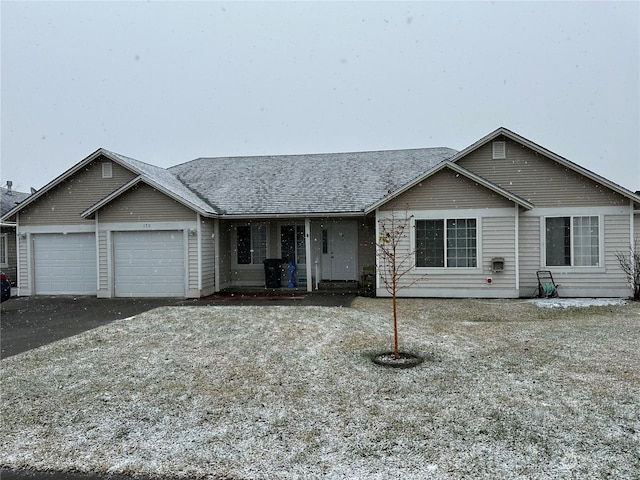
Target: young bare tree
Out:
[394,262]
[630,265]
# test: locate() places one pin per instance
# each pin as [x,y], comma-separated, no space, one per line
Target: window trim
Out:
[234,245]
[445,218]
[107,169]
[572,268]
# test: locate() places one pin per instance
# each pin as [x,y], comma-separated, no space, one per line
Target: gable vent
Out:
[107,170]
[499,150]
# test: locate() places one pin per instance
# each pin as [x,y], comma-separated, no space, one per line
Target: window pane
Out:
[287,241]
[461,242]
[244,245]
[300,245]
[558,241]
[586,244]
[259,243]
[430,243]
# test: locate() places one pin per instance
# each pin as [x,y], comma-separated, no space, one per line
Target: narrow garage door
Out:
[149,264]
[65,264]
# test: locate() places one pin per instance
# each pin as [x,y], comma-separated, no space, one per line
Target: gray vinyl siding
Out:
[607,280]
[208,251]
[23,265]
[497,239]
[145,204]
[530,254]
[103,271]
[366,242]
[636,228]
[447,189]
[192,262]
[63,204]
[538,179]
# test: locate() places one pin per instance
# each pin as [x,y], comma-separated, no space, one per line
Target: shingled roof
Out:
[331,183]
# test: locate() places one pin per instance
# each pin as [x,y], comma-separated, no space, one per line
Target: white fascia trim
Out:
[90,228]
[282,216]
[451,213]
[580,211]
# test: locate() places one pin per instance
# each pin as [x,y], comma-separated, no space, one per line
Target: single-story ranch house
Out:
[482,222]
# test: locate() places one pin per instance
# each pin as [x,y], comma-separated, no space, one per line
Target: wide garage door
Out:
[65,264]
[149,264]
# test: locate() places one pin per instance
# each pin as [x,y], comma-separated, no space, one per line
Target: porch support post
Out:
[307,249]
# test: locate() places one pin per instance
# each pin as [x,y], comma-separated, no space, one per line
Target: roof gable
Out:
[158,177]
[461,171]
[574,167]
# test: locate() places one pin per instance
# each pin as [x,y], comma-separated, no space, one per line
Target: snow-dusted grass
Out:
[508,390]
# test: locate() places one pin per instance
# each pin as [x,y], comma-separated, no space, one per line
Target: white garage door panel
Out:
[65,263]
[149,264]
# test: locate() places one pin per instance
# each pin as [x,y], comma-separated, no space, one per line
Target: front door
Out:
[340,250]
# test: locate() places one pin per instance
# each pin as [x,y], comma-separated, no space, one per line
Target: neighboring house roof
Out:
[332,183]
[547,153]
[9,199]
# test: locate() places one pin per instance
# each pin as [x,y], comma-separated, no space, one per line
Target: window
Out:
[457,244]
[107,170]
[572,241]
[499,150]
[292,245]
[4,250]
[251,244]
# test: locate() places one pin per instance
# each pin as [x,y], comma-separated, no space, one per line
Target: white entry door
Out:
[65,264]
[340,250]
[149,264]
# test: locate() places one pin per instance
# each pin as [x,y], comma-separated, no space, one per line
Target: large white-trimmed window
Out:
[4,250]
[251,244]
[446,243]
[572,241]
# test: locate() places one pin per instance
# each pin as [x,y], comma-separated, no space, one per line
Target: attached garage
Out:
[149,264]
[65,264]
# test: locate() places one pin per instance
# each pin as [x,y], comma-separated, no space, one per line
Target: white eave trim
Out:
[462,171]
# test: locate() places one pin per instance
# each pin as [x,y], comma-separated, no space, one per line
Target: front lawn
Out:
[508,390]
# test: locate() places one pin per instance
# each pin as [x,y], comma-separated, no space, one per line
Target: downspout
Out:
[517,246]
[307,250]
[97,256]
[18,269]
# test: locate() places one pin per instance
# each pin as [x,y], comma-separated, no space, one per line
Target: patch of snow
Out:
[576,302]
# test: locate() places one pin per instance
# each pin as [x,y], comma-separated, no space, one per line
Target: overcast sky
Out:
[169,82]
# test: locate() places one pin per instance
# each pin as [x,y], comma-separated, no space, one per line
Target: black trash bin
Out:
[272,272]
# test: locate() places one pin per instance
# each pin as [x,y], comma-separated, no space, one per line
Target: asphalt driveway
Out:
[30,322]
